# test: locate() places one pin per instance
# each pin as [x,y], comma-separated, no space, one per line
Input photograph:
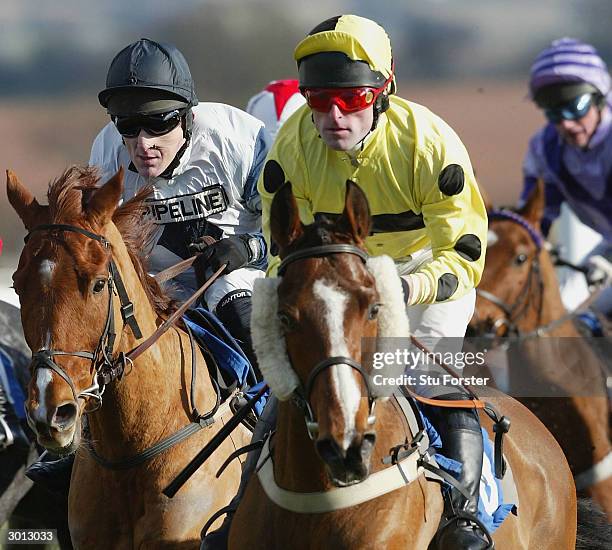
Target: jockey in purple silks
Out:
[572,154]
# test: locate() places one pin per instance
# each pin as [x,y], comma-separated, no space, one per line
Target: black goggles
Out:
[572,110]
[154,125]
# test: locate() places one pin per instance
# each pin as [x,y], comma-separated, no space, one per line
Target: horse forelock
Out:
[323,231]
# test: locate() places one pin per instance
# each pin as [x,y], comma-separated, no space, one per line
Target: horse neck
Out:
[297,466]
[152,397]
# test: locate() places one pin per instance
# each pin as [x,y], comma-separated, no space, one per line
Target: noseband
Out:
[106,368]
[514,312]
[301,395]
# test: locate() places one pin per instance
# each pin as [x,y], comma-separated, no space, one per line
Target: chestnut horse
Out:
[519,295]
[78,278]
[328,298]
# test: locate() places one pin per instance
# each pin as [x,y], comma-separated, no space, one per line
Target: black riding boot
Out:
[234,311]
[462,441]
[52,472]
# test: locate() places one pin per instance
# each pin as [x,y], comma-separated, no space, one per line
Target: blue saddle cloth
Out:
[9,382]
[211,333]
[492,510]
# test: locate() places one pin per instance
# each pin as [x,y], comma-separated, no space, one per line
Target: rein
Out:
[105,367]
[108,369]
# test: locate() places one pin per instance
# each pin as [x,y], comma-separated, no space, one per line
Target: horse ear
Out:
[104,200]
[533,210]
[24,203]
[355,218]
[285,223]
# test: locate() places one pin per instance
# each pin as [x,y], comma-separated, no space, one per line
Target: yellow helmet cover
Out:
[358,38]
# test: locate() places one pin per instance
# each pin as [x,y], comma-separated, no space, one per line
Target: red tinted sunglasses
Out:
[348,100]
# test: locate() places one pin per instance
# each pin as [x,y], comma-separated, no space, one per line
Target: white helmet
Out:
[276,103]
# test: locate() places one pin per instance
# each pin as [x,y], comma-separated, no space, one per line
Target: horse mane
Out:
[68,196]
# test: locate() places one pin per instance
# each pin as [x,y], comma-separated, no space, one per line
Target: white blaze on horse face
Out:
[43,379]
[45,270]
[344,384]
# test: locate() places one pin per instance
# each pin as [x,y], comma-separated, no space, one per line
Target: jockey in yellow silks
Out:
[422,193]
[427,212]
[426,209]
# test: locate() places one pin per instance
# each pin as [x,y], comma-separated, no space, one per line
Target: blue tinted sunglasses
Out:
[572,110]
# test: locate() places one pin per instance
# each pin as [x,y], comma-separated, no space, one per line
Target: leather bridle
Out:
[513,313]
[105,367]
[108,369]
[301,395]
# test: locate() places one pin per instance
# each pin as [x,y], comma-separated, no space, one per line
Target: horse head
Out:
[510,288]
[326,302]
[66,280]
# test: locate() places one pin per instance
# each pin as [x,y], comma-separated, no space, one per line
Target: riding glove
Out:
[233,251]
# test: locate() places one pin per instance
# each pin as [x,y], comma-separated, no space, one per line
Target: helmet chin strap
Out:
[167,173]
[380,106]
[361,143]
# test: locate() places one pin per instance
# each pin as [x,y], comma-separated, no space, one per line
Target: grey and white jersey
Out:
[213,190]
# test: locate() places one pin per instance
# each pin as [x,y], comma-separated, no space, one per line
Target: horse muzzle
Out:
[350,466]
[55,427]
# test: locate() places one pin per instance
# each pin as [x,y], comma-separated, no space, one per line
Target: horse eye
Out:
[373,311]
[520,259]
[99,286]
[287,322]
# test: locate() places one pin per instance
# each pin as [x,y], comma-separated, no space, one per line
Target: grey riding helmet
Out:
[148,78]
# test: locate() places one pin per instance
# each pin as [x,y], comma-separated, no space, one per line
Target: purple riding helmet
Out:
[568,61]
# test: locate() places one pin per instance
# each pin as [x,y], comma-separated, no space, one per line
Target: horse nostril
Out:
[329,451]
[64,416]
[41,427]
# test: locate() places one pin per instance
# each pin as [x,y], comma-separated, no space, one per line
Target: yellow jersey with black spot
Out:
[419,182]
